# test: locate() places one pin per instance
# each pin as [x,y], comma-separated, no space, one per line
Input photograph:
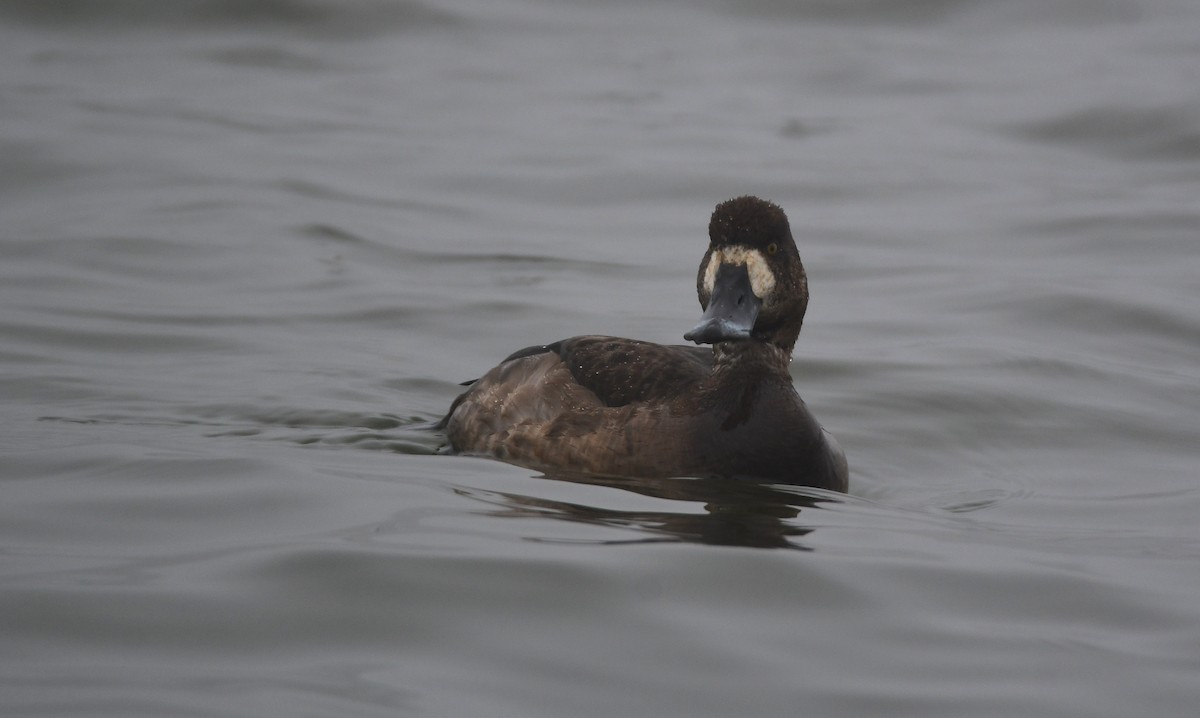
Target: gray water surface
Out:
[249,250]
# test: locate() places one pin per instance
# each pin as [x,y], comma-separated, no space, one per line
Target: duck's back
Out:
[564,391]
[627,371]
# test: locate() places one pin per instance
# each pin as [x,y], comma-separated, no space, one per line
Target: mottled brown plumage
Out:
[622,407]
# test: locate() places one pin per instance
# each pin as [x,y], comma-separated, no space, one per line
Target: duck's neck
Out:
[739,356]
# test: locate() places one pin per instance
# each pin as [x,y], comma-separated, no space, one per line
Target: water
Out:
[249,249]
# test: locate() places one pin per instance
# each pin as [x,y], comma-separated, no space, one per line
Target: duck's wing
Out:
[623,371]
[587,372]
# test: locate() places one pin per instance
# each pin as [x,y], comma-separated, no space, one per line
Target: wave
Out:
[332,19]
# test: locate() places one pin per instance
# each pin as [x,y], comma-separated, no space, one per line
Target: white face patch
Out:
[762,279]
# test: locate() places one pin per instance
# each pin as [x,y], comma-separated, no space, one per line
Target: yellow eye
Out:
[772,248]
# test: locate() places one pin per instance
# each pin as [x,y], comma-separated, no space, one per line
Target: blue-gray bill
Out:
[732,308]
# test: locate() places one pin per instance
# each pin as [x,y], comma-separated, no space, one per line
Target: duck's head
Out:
[751,283]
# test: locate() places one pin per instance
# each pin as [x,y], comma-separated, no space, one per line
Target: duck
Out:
[726,408]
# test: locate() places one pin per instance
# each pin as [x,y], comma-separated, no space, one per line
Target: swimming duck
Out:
[623,407]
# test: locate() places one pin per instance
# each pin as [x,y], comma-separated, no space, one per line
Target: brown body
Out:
[606,405]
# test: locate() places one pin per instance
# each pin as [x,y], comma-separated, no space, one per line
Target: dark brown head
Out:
[751,282]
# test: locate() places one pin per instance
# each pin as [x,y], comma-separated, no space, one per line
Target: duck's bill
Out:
[732,308]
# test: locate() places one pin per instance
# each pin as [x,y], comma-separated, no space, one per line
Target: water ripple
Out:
[344,19]
[1165,133]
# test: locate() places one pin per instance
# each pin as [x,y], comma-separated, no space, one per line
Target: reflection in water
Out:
[736,512]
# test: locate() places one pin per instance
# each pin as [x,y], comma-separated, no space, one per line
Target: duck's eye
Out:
[772,248]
